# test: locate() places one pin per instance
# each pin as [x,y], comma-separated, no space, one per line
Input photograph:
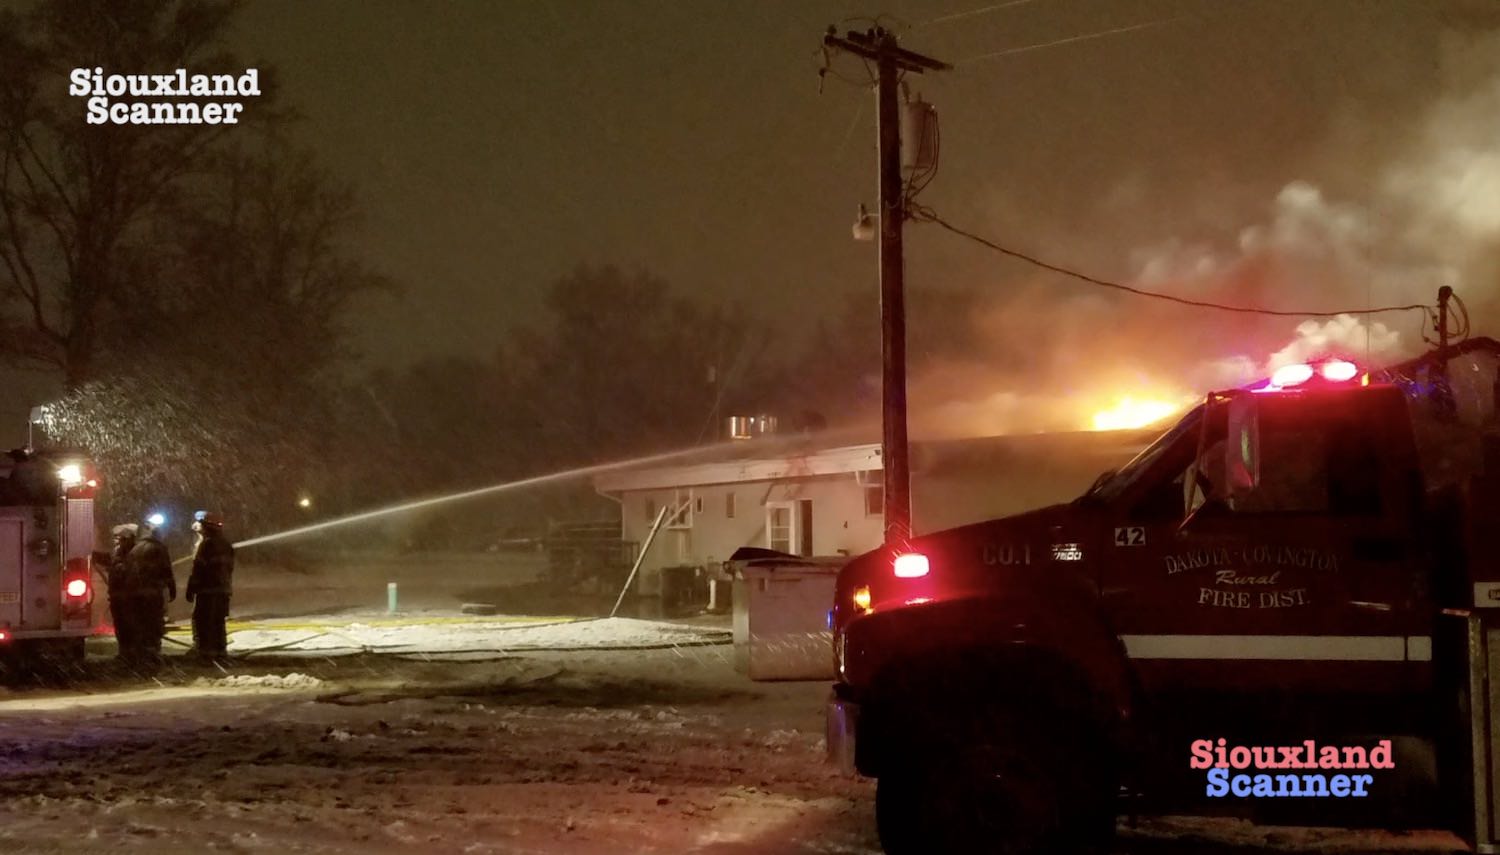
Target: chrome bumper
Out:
[842,721]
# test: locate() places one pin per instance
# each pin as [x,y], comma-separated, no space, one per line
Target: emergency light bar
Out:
[1338,370]
[1333,370]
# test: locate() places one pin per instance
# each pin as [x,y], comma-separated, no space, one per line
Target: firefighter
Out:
[150,586]
[210,585]
[117,583]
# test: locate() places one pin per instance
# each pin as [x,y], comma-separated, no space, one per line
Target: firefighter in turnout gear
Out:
[115,573]
[149,586]
[210,585]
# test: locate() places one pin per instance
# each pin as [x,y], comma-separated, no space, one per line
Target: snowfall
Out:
[455,733]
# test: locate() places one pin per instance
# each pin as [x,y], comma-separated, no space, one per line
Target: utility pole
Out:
[879,46]
[1445,294]
[1443,390]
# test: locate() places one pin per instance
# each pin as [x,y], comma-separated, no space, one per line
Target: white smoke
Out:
[1451,178]
[1428,216]
[1344,336]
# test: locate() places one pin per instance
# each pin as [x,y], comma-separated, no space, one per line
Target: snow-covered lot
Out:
[654,750]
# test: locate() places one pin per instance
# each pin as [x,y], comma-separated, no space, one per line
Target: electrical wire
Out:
[1462,333]
[994,7]
[1069,40]
[1430,317]
[826,68]
[859,112]
[924,214]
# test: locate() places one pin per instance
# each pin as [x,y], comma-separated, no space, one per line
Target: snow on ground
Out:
[446,634]
[617,752]
[263,681]
[659,751]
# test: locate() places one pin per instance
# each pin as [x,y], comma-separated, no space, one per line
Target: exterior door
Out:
[789,527]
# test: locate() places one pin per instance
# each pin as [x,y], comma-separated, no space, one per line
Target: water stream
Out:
[464,494]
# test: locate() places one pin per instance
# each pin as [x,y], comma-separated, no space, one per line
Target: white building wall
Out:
[839,522]
[1016,476]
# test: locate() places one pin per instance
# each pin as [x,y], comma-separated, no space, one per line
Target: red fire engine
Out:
[1297,565]
[46,544]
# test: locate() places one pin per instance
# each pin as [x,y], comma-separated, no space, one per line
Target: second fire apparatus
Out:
[1286,564]
[46,545]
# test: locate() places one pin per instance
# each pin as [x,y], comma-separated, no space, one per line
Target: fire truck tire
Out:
[55,656]
[1024,796]
[73,653]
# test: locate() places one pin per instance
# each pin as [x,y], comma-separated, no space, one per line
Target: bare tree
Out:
[76,200]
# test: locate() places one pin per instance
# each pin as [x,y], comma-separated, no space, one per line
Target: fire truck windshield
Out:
[1106,489]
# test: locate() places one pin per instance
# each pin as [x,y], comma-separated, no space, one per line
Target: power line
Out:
[1070,39]
[971,13]
[927,215]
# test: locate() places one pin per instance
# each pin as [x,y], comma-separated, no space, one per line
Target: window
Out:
[779,527]
[650,510]
[1321,467]
[729,505]
[874,500]
[1309,463]
[698,505]
[680,514]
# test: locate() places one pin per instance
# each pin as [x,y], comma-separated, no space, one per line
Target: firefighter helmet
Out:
[208,519]
[127,530]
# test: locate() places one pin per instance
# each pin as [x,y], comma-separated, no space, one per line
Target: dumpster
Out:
[780,623]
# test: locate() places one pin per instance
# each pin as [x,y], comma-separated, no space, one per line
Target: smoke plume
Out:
[1054,353]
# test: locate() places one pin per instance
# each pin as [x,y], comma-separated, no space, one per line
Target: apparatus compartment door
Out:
[12,566]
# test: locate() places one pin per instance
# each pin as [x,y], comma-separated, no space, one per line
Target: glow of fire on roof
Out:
[1130,412]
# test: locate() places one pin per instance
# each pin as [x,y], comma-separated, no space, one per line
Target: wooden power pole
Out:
[879,46]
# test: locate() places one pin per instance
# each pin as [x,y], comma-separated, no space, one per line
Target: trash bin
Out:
[781,617]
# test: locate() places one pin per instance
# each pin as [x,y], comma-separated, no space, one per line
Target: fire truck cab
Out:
[46,547]
[1274,569]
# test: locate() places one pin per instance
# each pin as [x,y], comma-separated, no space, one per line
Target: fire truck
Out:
[1304,564]
[46,548]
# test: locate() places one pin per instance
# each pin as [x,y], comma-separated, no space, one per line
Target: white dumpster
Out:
[781,605]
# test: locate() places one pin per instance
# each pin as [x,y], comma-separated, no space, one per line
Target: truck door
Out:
[1302,582]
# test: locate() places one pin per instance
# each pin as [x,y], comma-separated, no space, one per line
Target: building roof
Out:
[804,456]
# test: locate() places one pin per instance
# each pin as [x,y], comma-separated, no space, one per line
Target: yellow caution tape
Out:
[274,624]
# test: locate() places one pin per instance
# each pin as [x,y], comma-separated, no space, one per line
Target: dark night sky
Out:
[500,144]
[497,145]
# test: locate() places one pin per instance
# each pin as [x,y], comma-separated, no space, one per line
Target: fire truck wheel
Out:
[1019,797]
[1019,809]
[72,654]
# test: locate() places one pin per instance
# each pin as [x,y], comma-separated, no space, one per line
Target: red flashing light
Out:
[1338,370]
[77,588]
[4,636]
[912,565]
